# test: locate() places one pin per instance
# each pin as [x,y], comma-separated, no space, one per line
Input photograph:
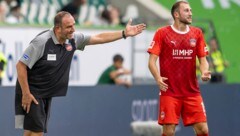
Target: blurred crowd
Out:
[10,11]
[217,62]
[85,12]
[93,13]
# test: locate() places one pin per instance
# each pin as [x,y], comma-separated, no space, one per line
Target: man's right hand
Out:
[27,100]
[163,86]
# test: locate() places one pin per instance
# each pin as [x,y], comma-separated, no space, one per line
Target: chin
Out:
[190,22]
[70,36]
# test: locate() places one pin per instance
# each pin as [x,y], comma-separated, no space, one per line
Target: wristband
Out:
[123,34]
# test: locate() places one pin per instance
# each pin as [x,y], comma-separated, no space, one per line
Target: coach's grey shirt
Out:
[49,63]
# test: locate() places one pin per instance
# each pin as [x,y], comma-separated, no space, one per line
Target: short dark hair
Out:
[118,57]
[175,7]
[59,16]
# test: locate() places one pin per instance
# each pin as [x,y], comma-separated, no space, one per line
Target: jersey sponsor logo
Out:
[51,57]
[182,54]
[68,47]
[25,57]
[192,42]
[152,44]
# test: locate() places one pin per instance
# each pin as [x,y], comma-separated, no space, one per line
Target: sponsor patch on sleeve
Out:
[152,44]
[206,49]
[25,57]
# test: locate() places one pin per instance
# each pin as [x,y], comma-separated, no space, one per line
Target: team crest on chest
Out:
[192,42]
[68,47]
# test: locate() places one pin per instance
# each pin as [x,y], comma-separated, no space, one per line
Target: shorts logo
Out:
[68,47]
[162,115]
[192,42]
[25,57]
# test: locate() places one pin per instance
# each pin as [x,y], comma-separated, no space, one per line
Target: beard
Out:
[184,21]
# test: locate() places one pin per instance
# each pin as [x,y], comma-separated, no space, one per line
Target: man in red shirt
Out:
[177,46]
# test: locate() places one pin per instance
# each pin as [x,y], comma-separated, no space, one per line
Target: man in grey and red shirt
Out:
[43,69]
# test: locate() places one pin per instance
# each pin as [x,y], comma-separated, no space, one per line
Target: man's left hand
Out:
[132,30]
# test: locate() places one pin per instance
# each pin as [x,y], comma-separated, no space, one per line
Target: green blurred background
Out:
[226,23]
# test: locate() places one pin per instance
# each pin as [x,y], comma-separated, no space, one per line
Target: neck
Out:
[180,26]
[59,39]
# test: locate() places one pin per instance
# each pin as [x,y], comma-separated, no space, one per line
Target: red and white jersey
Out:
[177,53]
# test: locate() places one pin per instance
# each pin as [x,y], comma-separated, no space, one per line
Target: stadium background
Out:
[109,110]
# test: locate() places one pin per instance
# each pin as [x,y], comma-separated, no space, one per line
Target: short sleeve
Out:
[81,40]
[202,49]
[155,47]
[33,53]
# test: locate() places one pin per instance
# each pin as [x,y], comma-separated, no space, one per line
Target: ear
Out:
[57,28]
[176,14]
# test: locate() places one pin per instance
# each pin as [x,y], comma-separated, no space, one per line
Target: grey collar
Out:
[54,36]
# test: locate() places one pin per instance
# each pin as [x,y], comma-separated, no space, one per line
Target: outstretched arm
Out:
[154,70]
[130,30]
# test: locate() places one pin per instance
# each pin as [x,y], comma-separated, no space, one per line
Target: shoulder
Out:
[80,36]
[41,38]
[163,30]
[195,29]
[111,68]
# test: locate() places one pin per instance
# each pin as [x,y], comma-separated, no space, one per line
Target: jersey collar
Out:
[54,36]
[180,32]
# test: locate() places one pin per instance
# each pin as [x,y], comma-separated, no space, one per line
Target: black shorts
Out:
[37,118]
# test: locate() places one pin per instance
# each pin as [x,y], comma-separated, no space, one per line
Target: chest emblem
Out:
[68,47]
[192,42]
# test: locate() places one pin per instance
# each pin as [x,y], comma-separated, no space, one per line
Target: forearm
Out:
[22,78]
[105,37]
[114,74]
[204,66]
[154,70]
[122,82]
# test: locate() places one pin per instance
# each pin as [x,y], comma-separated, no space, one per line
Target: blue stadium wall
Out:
[109,110]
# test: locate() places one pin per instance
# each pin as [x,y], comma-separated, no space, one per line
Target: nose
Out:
[73,29]
[190,12]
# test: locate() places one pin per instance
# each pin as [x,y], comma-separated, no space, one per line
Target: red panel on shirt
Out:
[177,54]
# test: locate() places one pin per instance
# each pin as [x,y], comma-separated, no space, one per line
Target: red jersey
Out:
[177,53]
